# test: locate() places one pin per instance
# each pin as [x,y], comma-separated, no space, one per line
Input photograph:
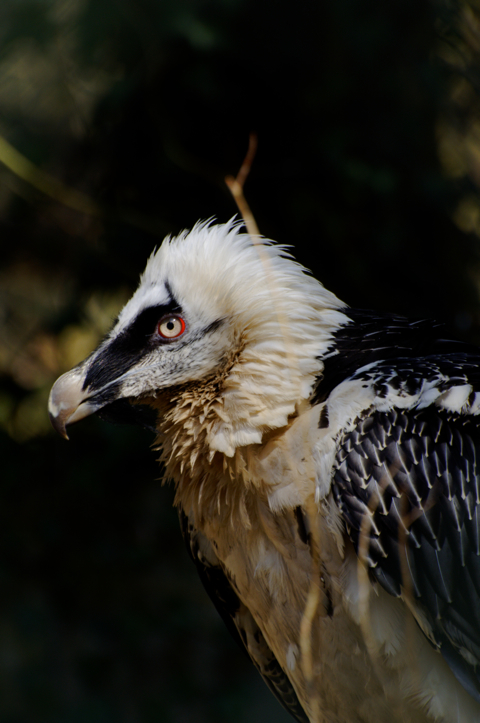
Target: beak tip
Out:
[58,423]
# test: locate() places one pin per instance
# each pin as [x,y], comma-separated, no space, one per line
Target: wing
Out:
[238,619]
[407,482]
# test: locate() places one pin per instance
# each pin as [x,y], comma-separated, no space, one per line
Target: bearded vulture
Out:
[325,466]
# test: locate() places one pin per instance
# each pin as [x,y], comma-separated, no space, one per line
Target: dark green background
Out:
[355,105]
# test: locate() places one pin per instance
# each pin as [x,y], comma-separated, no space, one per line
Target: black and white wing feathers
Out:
[407,482]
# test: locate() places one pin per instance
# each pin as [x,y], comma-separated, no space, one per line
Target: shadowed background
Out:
[119,120]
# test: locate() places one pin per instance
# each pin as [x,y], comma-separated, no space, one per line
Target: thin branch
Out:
[236,185]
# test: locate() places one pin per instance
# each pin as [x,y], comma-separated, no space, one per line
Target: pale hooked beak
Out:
[68,401]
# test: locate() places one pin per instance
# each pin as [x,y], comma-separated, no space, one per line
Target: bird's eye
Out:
[170,327]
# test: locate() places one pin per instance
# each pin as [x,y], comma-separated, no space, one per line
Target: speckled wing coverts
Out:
[407,482]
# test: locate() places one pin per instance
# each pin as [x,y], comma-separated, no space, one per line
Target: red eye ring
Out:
[171,326]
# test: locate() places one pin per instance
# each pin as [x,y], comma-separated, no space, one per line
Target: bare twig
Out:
[313,604]
[236,185]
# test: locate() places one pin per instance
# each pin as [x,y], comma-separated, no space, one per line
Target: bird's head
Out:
[213,305]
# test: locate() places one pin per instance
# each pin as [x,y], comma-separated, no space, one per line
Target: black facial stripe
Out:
[212,327]
[105,396]
[129,347]
[140,330]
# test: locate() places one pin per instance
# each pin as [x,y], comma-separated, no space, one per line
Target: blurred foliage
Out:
[119,120]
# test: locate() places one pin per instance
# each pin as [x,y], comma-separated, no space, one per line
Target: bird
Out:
[325,467]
